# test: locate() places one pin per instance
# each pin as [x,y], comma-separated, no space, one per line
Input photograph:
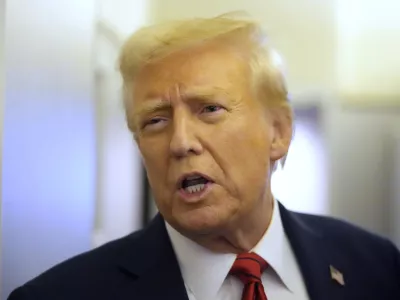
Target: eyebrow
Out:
[154,104]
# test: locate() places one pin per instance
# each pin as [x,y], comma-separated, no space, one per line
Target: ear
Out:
[282,131]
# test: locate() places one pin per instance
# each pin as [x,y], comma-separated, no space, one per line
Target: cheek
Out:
[242,152]
[157,172]
[155,159]
[153,147]
[251,158]
[244,139]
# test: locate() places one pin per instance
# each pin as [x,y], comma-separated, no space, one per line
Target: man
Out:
[208,107]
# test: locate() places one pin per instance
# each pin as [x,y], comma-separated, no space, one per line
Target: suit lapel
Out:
[153,266]
[315,255]
[155,271]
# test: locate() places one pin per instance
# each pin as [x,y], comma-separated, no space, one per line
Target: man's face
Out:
[206,142]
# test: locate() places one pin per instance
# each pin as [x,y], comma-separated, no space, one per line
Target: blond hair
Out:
[152,43]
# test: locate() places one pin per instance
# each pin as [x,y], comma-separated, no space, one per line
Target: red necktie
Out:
[248,267]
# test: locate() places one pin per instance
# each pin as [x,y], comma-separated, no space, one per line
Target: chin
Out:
[201,221]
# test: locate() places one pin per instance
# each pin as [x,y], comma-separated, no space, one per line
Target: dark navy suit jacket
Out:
[143,266]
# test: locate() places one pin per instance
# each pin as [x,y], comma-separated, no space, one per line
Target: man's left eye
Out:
[211,108]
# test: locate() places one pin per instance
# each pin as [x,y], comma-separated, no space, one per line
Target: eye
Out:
[154,123]
[211,108]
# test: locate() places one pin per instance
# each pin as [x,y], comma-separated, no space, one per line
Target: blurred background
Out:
[71,173]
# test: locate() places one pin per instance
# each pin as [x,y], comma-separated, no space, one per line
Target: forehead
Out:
[207,68]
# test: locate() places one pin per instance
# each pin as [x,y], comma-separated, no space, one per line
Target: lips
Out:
[194,187]
[192,181]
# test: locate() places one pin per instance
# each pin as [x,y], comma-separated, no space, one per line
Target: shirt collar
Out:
[204,271]
[274,247]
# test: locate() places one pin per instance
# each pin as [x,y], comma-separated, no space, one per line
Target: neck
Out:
[244,233]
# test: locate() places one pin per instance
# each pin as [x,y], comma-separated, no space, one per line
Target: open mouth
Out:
[194,184]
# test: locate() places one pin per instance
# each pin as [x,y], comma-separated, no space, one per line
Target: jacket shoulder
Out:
[94,260]
[355,244]
[87,272]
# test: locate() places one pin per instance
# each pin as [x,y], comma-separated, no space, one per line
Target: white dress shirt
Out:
[205,273]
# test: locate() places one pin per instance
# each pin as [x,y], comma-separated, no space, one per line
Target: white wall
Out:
[119,181]
[49,136]
[369,43]
[2,20]
[302,184]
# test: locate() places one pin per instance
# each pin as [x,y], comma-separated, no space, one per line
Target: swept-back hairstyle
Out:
[152,43]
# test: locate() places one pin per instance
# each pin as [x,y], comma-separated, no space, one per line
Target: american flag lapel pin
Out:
[336,275]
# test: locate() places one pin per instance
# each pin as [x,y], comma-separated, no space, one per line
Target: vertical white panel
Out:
[2,21]
[302,184]
[49,136]
[125,15]
[119,190]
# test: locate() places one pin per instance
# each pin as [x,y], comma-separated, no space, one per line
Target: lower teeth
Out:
[195,188]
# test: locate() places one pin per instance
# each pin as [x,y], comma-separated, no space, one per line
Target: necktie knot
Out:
[248,267]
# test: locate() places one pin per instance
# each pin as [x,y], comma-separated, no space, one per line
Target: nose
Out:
[184,140]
